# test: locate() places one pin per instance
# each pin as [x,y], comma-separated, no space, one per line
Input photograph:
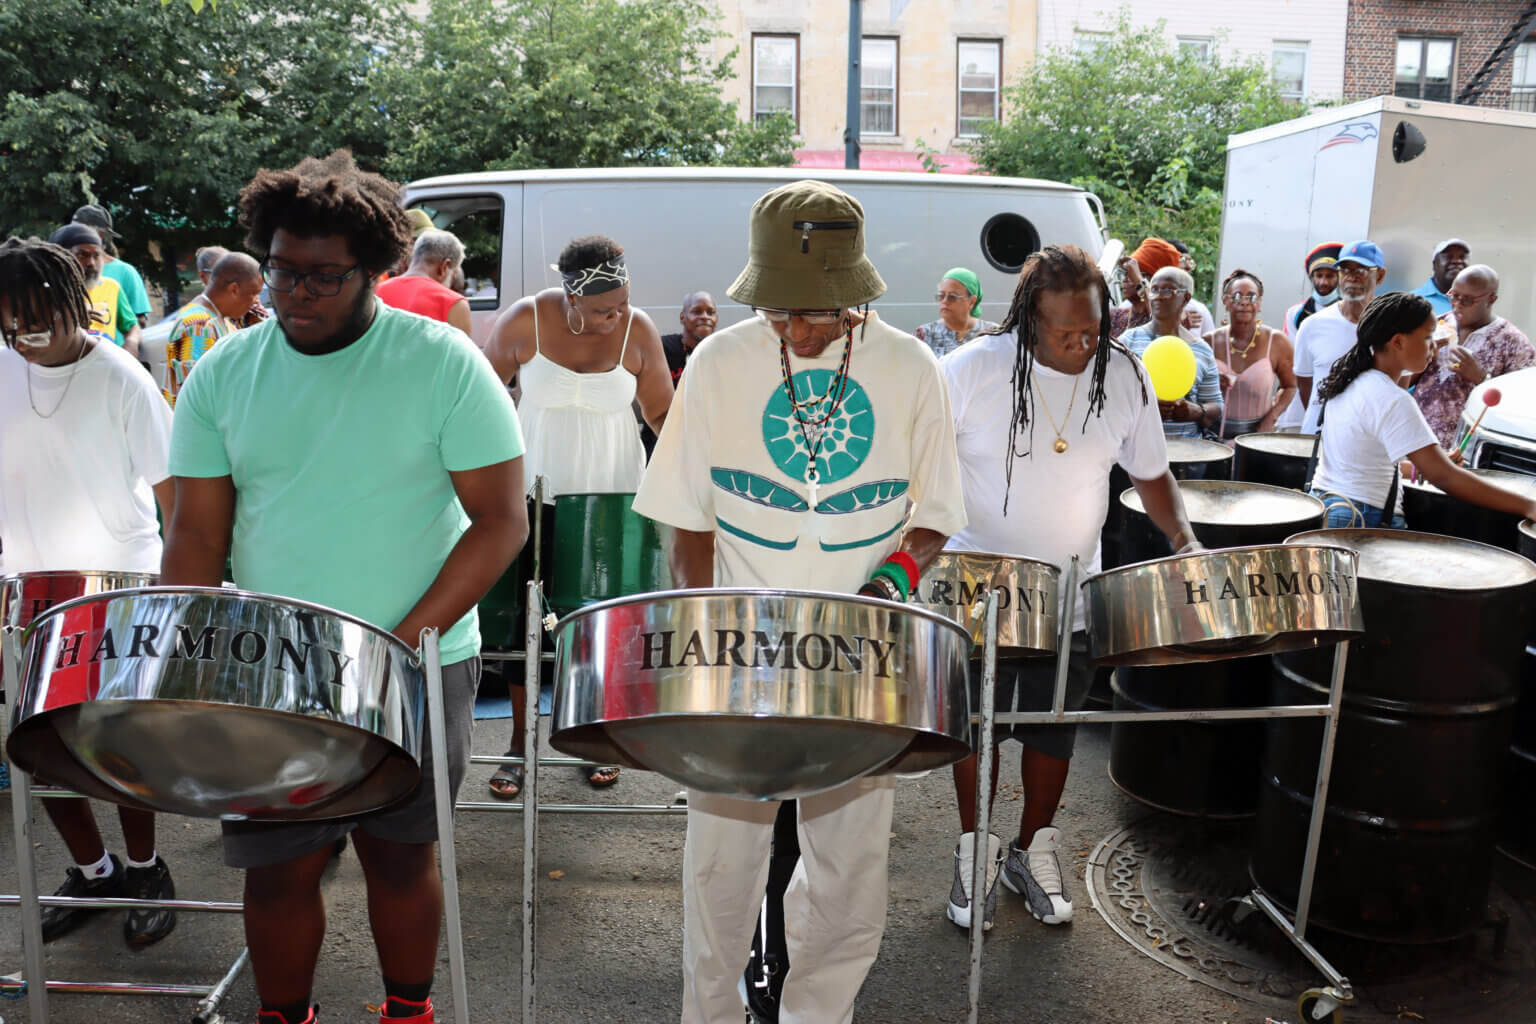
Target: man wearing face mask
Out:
[1323,273]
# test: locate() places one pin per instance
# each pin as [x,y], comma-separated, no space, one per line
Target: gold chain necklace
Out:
[1252,341]
[1061,442]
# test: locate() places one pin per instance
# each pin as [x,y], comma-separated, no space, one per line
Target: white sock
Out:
[100,869]
[129,862]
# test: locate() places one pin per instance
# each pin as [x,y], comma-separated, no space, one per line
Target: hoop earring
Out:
[570,305]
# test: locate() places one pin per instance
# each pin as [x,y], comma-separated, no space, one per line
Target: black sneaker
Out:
[150,924]
[60,921]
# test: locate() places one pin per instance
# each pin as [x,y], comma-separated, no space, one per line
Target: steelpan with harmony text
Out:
[219,703]
[956,585]
[761,694]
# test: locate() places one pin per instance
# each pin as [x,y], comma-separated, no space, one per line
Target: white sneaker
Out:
[959,909]
[1036,875]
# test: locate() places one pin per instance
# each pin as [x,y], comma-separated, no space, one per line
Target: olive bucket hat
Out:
[806,251]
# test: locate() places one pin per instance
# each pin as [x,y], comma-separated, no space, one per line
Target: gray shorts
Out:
[258,844]
[1028,684]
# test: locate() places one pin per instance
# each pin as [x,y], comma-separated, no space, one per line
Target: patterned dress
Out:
[1499,347]
[943,340]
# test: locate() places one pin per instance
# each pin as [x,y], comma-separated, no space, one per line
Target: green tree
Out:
[163,115]
[513,84]
[1141,125]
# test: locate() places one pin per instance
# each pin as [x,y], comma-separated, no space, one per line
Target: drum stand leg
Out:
[26,866]
[530,802]
[432,655]
[207,1011]
[980,839]
[1297,931]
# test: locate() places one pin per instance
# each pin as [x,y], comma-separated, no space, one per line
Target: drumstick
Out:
[1491,398]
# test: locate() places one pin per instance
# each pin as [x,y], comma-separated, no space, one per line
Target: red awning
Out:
[887,160]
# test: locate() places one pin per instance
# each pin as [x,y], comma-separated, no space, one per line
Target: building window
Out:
[877,87]
[775,77]
[1522,80]
[1200,48]
[979,67]
[1084,41]
[1425,68]
[1288,66]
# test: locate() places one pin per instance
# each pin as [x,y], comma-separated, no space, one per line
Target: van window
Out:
[1007,240]
[476,220]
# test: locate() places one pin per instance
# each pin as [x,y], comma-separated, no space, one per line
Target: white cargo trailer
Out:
[1403,173]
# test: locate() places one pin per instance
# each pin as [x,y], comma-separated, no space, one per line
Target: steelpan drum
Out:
[1189,458]
[957,583]
[1428,509]
[761,694]
[1276,459]
[1229,603]
[603,549]
[219,703]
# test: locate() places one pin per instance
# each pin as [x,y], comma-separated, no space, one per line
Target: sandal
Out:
[599,776]
[507,782]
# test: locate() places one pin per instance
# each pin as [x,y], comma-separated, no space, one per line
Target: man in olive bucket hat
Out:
[796,445]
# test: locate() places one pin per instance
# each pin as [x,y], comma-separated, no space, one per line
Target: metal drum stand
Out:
[1318,1002]
[210,996]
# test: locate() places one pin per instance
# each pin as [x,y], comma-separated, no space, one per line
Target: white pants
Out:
[834,909]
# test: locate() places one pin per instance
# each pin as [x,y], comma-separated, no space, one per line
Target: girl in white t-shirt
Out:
[1370,424]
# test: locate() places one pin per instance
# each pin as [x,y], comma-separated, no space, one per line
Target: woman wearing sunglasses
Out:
[959,300]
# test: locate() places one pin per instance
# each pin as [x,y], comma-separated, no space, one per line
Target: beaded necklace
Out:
[831,402]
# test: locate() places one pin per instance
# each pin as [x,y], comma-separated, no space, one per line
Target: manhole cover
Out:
[1168,886]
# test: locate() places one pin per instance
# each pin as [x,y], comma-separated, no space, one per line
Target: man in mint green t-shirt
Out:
[355,456]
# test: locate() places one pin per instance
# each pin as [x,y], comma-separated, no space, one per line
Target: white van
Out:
[685,230]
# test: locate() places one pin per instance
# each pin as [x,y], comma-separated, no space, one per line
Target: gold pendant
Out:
[1061,445]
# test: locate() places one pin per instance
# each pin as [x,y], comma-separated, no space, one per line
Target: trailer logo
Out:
[1354,132]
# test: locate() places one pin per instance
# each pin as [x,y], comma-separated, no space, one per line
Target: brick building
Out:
[1430,49]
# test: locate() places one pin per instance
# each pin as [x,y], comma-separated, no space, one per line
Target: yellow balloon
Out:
[1170,363]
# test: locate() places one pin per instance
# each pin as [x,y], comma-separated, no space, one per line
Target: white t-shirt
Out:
[1207,322]
[1323,338]
[732,460]
[1058,501]
[1369,429]
[75,485]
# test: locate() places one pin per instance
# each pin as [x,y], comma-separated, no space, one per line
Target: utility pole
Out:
[855,60]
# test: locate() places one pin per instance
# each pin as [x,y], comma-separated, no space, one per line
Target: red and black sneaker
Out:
[403,1011]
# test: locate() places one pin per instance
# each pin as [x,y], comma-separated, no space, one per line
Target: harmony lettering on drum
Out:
[788,650]
[966,593]
[188,643]
[1247,586]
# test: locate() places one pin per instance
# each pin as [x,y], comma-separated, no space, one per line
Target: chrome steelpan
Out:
[1228,603]
[25,596]
[219,703]
[761,694]
[956,585]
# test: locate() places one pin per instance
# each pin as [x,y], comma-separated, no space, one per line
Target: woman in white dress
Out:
[582,357]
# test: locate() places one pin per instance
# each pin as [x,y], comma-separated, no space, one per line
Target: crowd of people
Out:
[291,432]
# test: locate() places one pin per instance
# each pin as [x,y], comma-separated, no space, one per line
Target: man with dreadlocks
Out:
[366,459]
[1015,396]
[1368,424]
[809,447]
[84,437]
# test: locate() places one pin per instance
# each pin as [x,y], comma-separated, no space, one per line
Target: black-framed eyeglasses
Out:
[810,316]
[319,283]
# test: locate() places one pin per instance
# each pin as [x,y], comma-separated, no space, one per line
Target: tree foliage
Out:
[162,113]
[1140,124]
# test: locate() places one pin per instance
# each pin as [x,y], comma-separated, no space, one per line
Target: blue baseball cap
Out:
[1365,252]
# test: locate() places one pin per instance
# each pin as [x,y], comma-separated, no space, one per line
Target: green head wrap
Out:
[971,281]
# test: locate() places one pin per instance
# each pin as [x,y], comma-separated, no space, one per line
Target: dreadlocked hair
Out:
[330,196]
[1384,319]
[1056,268]
[1238,275]
[39,279]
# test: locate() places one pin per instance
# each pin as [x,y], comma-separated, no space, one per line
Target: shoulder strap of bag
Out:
[1317,441]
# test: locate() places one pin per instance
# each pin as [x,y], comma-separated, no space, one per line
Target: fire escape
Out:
[1502,54]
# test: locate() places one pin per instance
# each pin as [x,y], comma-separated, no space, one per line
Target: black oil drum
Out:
[1189,458]
[1276,459]
[1429,701]
[1210,769]
[1428,509]
[1517,836]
